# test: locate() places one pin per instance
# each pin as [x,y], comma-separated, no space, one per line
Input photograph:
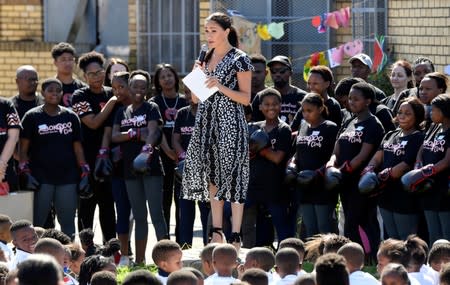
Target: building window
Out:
[167,31]
[369,18]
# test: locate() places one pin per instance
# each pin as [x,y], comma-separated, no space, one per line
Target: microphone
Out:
[202,54]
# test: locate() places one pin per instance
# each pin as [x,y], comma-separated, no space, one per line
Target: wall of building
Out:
[420,28]
[21,35]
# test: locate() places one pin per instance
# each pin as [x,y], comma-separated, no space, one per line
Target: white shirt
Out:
[9,254]
[413,280]
[163,279]
[286,280]
[18,258]
[427,270]
[362,278]
[69,280]
[215,279]
[423,279]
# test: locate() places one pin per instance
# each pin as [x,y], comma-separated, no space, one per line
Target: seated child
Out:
[54,248]
[255,276]
[5,238]
[224,260]
[87,242]
[417,250]
[287,265]
[299,246]
[166,254]
[197,273]
[24,239]
[259,257]
[306,279]
[182,277]
[103,278]
[444,276]
[394,273]
[206,259]
[439,255]
[141,277]
[354,256]
[330,270]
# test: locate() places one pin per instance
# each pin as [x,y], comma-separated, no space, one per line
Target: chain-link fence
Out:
[300,39]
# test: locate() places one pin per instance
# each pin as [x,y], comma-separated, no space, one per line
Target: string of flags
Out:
[251,41]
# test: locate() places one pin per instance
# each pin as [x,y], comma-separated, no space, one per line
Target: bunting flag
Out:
[263,32]
[335,20]
[379,57]
[317,58]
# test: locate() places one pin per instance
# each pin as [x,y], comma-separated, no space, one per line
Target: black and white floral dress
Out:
[218,150]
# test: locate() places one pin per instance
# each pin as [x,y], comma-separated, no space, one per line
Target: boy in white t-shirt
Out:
[354,256]
[5,239]
[224,260]
[166,254]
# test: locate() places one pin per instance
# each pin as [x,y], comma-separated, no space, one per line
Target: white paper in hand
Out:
[195,81]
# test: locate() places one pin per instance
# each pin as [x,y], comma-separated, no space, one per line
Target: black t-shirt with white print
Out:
[52,156]
[266,177]
[396,149]
[8,120]
[352,136]
[184,125]
[314,147]
[128,118]
[85,102]
[435,146]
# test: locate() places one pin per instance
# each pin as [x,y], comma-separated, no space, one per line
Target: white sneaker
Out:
[124,261]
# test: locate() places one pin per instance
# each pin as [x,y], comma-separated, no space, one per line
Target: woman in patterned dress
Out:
[217,162]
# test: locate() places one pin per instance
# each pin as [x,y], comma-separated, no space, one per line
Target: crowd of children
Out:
[34,256]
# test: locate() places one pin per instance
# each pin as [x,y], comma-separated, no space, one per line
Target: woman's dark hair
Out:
[326,74]
[316,100]
[440,78]
[123,75]
[408,70]
[90,265]
[418,109]
[225,22]
[442,102]
[343,87]
[158,69]
[423,60]
[366,90]
[220,18]
[233,37]
[113,61]
[90,57]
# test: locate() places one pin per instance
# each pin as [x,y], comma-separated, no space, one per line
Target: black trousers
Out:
[168,192]
[107,215]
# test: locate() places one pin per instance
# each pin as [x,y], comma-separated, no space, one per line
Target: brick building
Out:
[413,28]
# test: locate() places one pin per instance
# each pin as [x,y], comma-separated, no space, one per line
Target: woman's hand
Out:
[212,81]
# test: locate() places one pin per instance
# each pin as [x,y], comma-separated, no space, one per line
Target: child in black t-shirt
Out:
[143,185]
[396,155]
[182,131]
[267,168]
[51,150]
[357,141]
[434,155]
[314,145]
